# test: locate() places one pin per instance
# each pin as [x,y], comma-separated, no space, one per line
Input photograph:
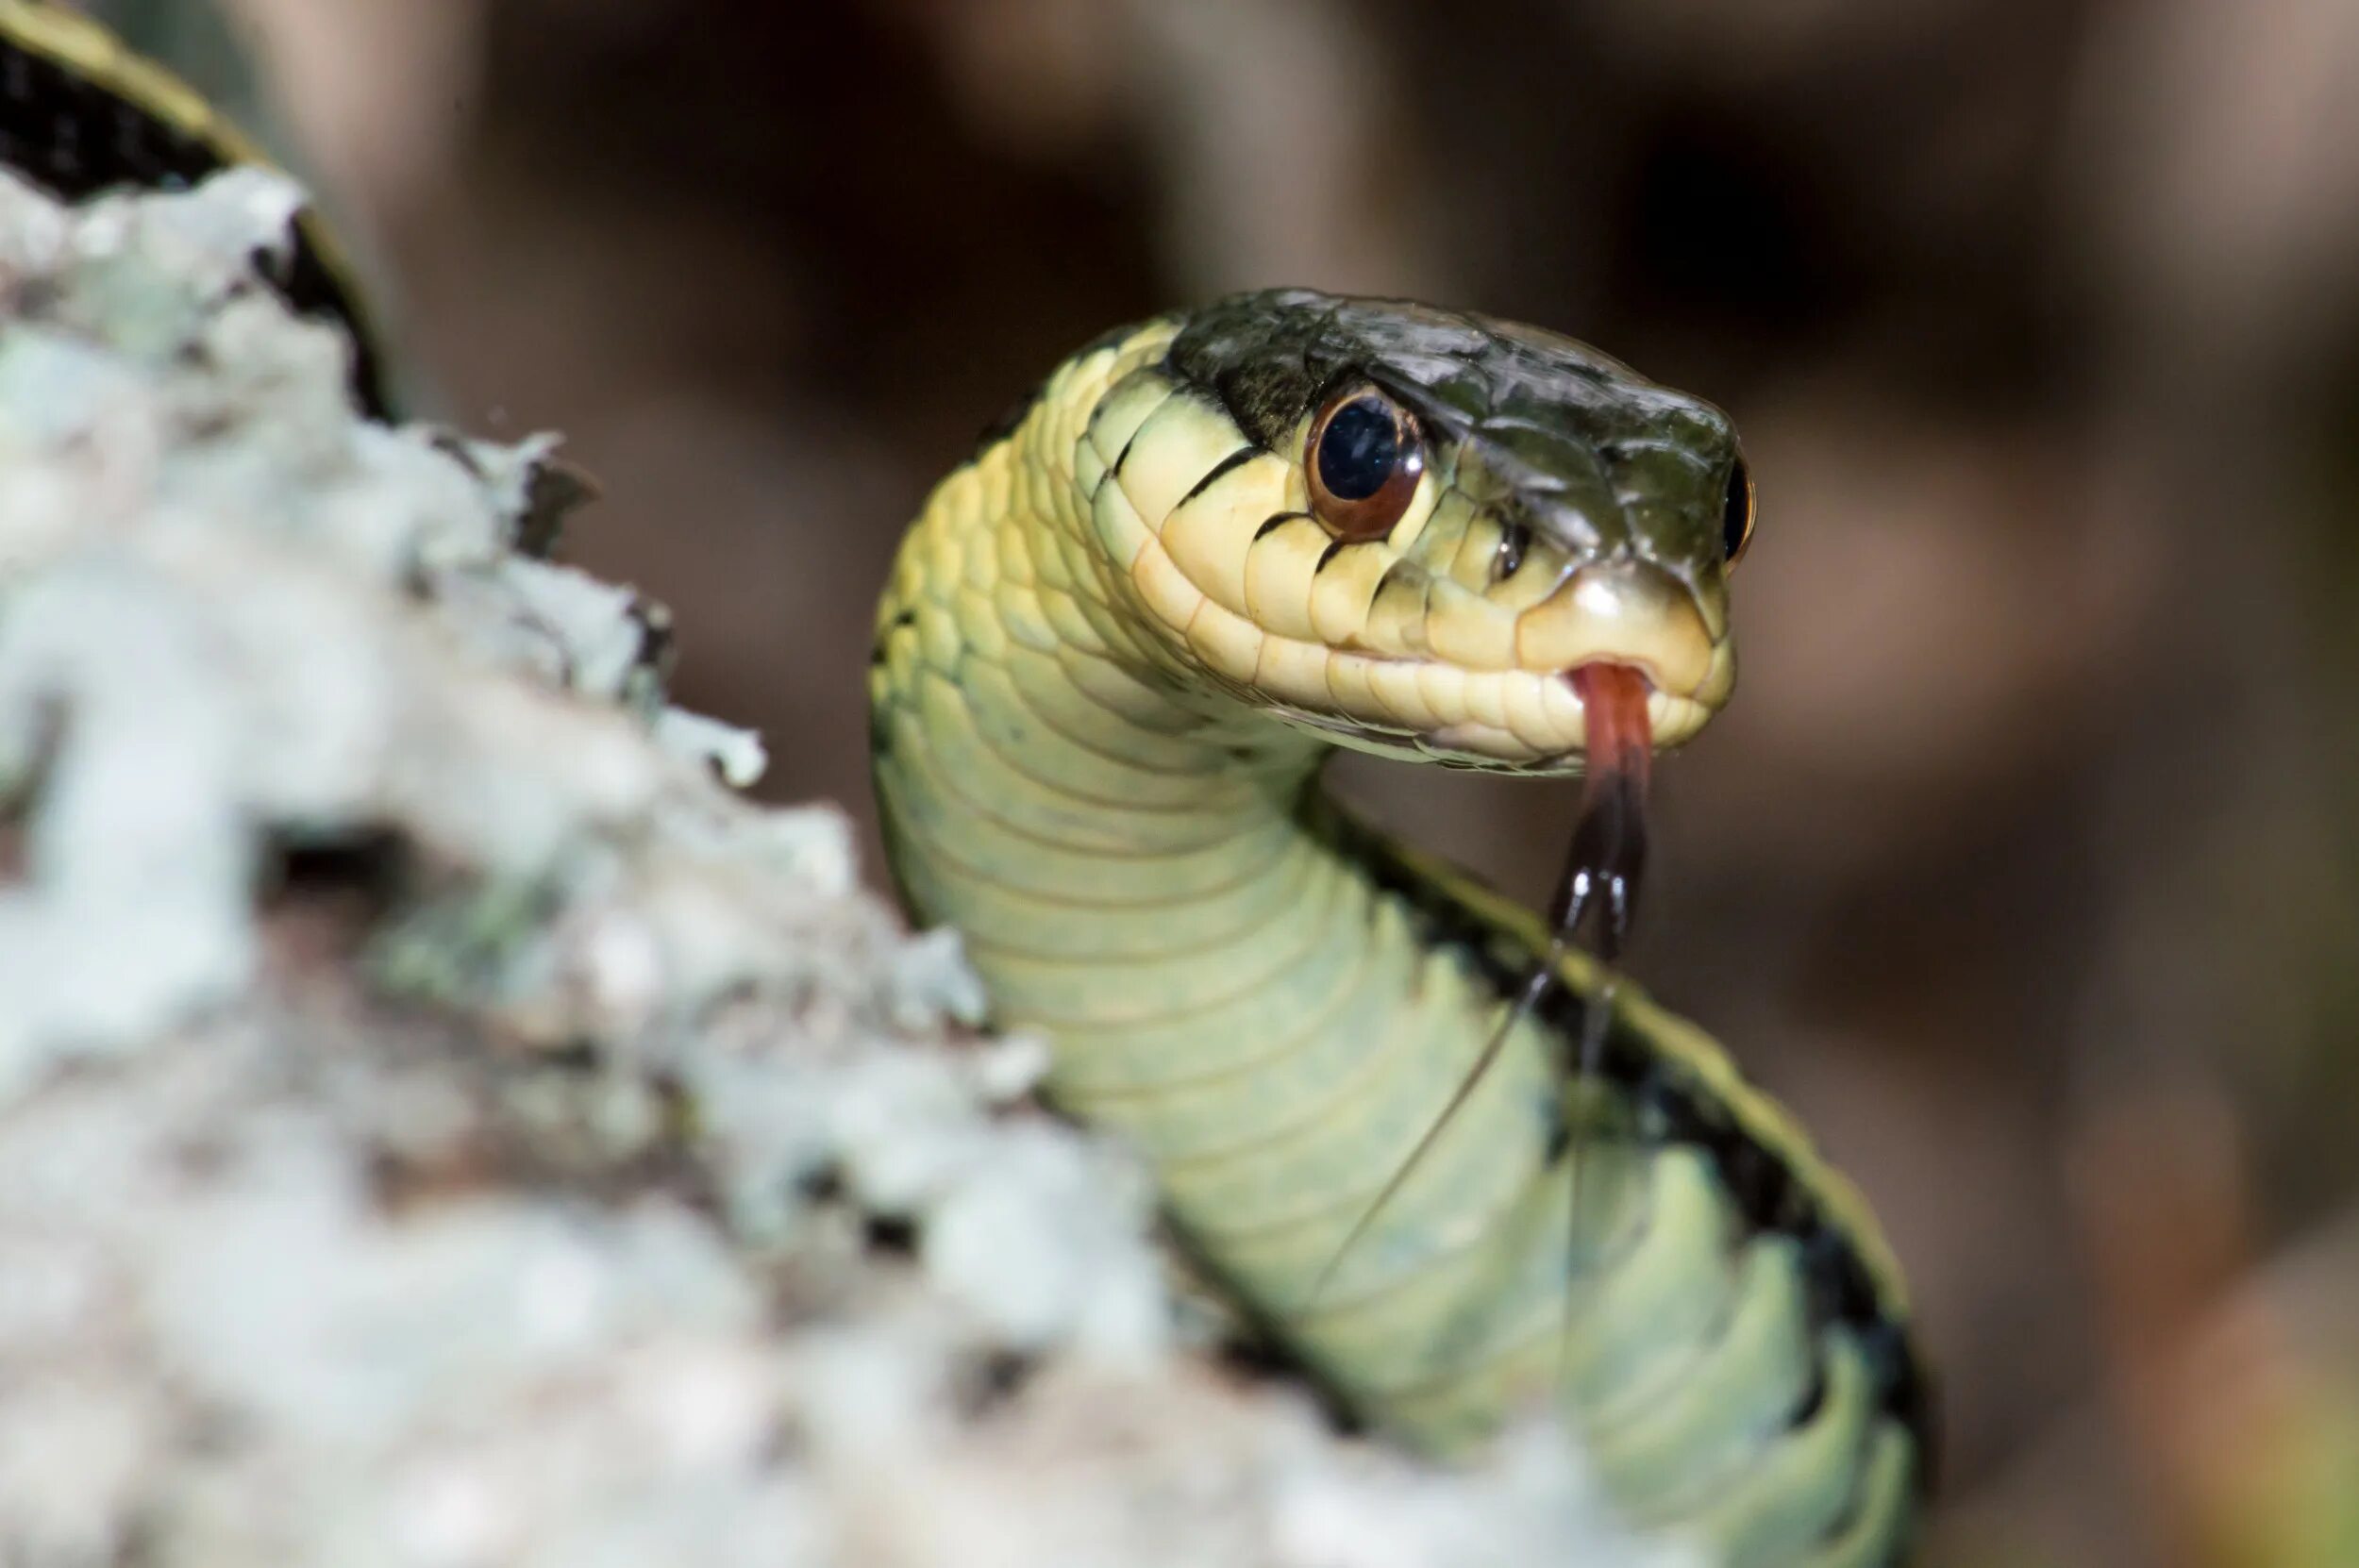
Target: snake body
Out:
[1116,647]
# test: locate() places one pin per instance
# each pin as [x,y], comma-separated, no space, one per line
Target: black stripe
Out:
[1236,459]
[1124,456]
[1334,547]
[1278,522]
[1401,576]
[1672,1109]
[75,137]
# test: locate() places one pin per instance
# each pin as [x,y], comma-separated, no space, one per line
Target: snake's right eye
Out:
[1736,512]
[1362,460]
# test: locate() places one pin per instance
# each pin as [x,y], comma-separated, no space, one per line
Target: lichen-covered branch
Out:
[441,1125]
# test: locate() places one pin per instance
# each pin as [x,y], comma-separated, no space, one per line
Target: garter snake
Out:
[1115,649]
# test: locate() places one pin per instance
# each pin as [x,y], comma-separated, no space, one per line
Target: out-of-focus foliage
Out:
[2042,320]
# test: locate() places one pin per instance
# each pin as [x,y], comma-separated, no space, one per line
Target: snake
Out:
[1116,648]
[1454,1169]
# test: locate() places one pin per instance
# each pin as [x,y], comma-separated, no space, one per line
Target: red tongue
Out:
[1609,849]
[1621,740]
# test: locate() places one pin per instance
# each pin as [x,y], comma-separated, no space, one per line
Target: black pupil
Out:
[1736,512]
[1357,450]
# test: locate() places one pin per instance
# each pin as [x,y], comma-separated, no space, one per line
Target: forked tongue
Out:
[1598,897]
[1600,889]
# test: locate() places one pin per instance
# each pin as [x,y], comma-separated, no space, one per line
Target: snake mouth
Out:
[1487,688]
[1636,650]
[1544,721]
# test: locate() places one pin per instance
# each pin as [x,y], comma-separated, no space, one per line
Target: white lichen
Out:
[440,1125]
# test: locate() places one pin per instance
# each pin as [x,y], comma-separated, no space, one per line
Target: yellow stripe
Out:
[95,54]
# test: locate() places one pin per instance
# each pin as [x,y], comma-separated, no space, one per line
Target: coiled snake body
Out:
[1116,646]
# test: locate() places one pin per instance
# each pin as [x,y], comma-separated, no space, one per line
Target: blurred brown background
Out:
[2026,864]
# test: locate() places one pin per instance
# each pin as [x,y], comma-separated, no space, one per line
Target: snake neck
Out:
[1147,874]
[1037,743]
[1053,780]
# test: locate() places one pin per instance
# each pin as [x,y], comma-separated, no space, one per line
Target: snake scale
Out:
[1116,646]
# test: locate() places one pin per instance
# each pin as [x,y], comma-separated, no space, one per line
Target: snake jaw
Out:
[1552,732]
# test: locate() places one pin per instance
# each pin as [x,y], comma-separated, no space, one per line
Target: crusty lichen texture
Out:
[441,1125]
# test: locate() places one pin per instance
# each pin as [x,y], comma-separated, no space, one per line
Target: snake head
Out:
[1406,528]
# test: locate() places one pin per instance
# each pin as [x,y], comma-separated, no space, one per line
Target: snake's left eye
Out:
[1362,460]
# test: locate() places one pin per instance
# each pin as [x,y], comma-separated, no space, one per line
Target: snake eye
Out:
[1364,458]
[1736,512]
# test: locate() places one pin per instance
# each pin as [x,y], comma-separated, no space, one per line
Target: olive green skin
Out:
[1115,650]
